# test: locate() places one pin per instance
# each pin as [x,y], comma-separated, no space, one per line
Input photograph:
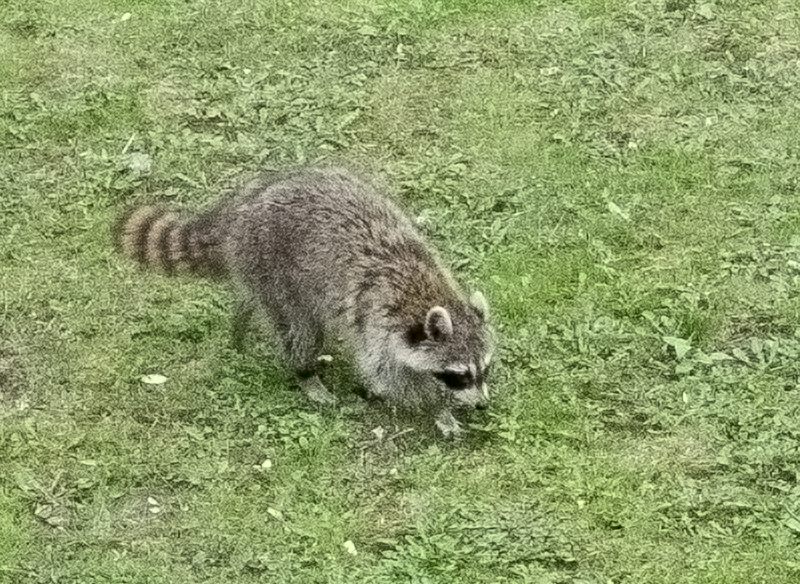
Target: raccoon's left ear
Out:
[478,302]
[438,324]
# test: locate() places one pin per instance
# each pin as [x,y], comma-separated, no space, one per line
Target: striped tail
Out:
[170,243]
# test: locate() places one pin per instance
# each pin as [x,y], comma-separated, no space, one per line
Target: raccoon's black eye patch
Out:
[416,334]
[454,380]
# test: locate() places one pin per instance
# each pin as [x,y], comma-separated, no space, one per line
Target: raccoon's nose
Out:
[483,401]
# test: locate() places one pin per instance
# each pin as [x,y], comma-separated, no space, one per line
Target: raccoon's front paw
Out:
[448,425]
[317,392]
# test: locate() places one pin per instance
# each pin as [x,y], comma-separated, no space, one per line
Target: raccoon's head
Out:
[453,348]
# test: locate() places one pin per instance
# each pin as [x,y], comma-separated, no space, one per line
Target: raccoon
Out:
[325,254]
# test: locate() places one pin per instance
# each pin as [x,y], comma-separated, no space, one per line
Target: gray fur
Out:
[323,252]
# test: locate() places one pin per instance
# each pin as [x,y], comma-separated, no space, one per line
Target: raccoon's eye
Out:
[454,380]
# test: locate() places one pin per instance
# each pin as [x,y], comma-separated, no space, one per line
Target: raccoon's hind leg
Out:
[240,323]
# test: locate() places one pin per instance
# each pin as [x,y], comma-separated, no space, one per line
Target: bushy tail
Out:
[171,243]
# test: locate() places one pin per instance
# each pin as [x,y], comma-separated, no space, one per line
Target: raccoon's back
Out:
[169,242]
[326,213]
[328,236]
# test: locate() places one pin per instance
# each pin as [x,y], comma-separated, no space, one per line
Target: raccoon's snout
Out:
[471,397]
[483,401]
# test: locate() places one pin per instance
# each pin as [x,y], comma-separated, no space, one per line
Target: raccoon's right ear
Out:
[438,324]
[478,302]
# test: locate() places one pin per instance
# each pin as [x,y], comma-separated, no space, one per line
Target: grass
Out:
[620,178]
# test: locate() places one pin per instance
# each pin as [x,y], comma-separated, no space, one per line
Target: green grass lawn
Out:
[622,180]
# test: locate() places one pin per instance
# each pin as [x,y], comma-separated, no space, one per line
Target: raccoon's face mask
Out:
[467,386]
[457,352]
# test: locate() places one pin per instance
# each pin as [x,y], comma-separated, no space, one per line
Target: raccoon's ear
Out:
[438,324]
[478,302]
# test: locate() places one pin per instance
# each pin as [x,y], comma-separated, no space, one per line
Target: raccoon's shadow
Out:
[340,376]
